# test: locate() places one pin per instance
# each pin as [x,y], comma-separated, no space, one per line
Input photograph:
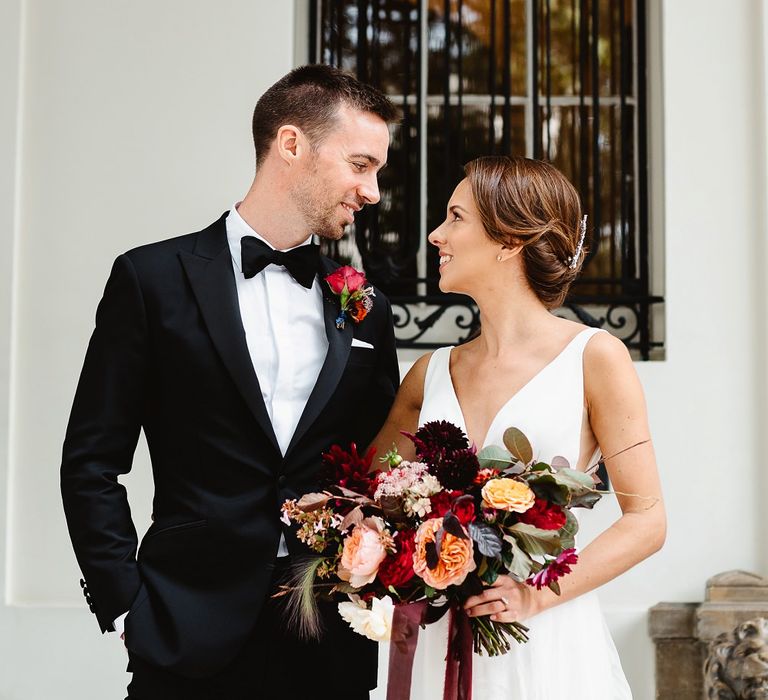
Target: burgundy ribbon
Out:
[406,621]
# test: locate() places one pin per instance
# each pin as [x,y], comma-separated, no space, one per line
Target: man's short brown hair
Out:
[309,97]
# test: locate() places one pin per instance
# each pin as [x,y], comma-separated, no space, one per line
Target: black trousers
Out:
[273,665]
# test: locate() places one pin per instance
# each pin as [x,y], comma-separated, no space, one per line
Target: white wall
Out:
[707,400]
[134,125]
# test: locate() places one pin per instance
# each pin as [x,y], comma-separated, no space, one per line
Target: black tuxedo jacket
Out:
[168,354]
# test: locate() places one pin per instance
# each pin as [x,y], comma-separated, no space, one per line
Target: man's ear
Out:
[290,142]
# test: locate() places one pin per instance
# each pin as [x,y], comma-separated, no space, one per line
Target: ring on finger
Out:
[505,602]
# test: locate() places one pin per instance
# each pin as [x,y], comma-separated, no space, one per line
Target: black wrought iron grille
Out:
[562,80]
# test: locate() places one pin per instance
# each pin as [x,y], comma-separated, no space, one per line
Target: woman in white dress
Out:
[512,240]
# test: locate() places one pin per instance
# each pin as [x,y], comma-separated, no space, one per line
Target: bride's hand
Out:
[505,601]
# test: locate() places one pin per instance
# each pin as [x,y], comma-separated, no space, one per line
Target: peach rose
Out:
[455,558]
[361,556]
[508,494]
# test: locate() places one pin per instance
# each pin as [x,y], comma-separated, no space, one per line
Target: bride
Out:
[513,241]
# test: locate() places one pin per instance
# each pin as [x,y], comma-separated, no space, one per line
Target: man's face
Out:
[340,176]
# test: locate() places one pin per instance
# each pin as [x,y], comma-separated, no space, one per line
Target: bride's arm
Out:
[618,418]
[404,414]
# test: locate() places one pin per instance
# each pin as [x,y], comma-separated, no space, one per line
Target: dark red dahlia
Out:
[348,469]
[436,438]
[456,470]
[544,515]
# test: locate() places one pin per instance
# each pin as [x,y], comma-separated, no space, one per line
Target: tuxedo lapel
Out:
[339,344]
[209,270]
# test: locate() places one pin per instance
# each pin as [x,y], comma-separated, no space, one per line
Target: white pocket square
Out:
[361,344]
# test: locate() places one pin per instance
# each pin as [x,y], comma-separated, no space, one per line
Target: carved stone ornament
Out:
[737,665]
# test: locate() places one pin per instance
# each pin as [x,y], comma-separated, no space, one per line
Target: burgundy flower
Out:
[441,504]
[484,474]
[555,569]
[456,470]
[348,469]
[437,438]
[464,510]
[544,515]
[397,569]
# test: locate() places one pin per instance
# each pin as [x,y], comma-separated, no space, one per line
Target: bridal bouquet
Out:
[438,529]
[405,545]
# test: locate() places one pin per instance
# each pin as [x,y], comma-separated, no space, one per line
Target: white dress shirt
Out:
[285,334]
[284,330]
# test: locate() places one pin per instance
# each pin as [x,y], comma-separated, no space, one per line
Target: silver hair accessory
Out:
[573,261]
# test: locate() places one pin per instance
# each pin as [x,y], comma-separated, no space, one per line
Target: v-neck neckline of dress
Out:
[517,393]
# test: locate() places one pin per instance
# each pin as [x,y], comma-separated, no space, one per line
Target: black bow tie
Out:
[302,262]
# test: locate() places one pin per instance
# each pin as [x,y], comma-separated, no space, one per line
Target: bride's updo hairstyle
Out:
[531,204]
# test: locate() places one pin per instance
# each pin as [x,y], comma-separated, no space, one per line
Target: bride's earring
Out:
[498,258]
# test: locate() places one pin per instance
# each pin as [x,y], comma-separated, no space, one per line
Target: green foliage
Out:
[495,457]
[516,442]
[536,541]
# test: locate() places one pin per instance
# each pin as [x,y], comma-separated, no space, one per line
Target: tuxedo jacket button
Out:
[281,480]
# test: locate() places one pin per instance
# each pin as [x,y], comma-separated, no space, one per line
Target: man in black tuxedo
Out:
[223,346]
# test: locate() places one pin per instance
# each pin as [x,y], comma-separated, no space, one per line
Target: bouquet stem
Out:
[493,638]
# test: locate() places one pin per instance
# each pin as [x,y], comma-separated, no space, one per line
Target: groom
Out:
[222,345]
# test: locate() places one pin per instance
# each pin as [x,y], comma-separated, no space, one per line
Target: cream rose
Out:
[508,494]
[376,623]
[455,558]
[361,556]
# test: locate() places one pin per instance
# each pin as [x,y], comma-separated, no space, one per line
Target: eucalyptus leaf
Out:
[313,501]
[430,550]
[452,524]
[488,542]
[438,543]
[495,457]
[568,531]
[546,486]
[354,517]
[559,463]
[536,541]
[515,469]
[580,486]
[353,495]
[344,587]
[516,442]
[586,500]
[521,565]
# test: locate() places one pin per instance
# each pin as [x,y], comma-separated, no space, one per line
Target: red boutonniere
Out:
[355,298]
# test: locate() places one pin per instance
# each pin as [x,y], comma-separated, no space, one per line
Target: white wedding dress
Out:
[570,653]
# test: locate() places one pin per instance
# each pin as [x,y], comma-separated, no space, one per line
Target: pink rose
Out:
[361,556]
[347,277]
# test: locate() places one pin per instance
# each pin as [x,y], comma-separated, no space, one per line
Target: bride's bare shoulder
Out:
[412,386]
[608,366]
